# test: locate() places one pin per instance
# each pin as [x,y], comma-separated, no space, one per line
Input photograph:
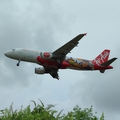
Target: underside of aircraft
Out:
[51,62]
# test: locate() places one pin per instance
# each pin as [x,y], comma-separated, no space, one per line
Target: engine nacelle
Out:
[40,70]
[46,55]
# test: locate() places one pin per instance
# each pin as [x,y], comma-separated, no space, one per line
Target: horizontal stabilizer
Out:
[108,62]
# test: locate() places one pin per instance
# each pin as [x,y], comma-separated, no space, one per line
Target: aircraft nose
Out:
[7,54]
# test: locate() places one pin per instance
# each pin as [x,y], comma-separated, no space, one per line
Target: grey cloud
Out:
[41,25]
[99,90]
[32,26]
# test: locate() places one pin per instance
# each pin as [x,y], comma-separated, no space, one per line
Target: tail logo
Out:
[103,57]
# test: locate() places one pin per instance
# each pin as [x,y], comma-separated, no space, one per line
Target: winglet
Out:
[85,34]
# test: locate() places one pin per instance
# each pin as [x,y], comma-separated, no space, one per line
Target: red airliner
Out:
[51,62]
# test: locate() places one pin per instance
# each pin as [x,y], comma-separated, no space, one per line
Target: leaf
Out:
[102,116]
[33,102]
[49,106]
[11,108]
[59,113]
[2,111]
[41,102]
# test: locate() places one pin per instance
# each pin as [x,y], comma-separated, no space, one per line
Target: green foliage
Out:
[79,114]
[40,112]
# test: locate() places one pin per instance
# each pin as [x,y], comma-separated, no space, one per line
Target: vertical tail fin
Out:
[103,57]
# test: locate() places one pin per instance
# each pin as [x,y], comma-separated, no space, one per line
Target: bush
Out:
[40,112]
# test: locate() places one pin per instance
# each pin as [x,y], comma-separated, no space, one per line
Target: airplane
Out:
[51,62]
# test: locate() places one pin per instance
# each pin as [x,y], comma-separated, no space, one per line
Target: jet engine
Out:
[46,55]
[40,70]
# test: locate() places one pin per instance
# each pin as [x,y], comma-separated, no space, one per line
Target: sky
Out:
[45,25]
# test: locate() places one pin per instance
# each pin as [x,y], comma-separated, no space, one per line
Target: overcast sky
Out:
[45,25]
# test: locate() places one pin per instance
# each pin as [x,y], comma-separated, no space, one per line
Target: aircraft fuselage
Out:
[51,62]
[68,63]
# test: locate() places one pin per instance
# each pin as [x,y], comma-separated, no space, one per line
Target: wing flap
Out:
[54,74]
[52,71]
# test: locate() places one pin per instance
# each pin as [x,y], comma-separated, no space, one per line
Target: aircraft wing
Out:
[61,53]
[65,49]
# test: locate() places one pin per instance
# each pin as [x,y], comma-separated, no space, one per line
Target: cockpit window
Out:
[13,49]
